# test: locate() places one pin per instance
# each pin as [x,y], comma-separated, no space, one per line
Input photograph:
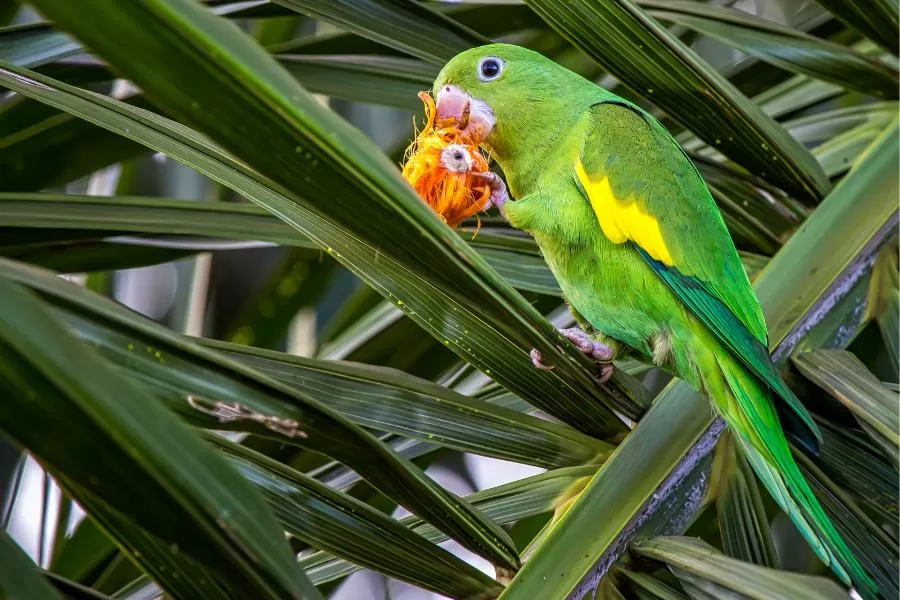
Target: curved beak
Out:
[473,116]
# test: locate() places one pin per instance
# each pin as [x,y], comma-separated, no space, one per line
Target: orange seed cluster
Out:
[442,165]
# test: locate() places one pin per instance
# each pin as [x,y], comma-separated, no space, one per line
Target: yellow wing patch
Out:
[623,219]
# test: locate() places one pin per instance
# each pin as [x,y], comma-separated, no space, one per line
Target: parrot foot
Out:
[538,361]
[607,370]
[499,194]
[594,349]
[597,350]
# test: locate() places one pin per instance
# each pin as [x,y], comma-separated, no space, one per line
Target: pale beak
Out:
[473,116]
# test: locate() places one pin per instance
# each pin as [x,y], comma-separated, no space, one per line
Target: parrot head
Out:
[504,95]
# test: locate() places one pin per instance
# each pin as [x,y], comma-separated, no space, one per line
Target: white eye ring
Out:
[490,68]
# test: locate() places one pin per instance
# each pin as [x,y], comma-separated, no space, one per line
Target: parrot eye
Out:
[490,68]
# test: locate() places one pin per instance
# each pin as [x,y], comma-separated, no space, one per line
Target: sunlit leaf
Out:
[699,564]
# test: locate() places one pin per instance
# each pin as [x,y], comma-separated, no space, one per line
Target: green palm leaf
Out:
[701,568]
[655,64]
[261,405]
[110,449]
[782,46]
[471,334]
[133,134]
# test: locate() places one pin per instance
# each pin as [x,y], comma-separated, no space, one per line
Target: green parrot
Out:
[640,250]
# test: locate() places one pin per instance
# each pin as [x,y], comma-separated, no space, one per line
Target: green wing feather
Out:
[645,165]
[750,351]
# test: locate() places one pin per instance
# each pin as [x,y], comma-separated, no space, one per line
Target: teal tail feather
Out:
[747,407]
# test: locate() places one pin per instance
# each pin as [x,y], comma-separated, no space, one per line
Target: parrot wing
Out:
[645,191]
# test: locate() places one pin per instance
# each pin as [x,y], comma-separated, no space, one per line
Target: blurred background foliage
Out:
[202,223]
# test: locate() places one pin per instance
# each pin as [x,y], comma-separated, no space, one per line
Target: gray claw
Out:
[538,361]
[597,350]
[607,370]
[499,194]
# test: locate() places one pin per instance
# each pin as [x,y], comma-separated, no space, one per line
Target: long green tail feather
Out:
[776,486]
[747,407]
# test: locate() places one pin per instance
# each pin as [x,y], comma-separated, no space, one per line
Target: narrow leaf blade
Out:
[650,60]
[89,433]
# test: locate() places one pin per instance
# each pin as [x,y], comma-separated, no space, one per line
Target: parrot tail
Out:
[746,405]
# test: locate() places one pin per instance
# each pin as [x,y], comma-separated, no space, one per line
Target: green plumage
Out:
[642,255]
